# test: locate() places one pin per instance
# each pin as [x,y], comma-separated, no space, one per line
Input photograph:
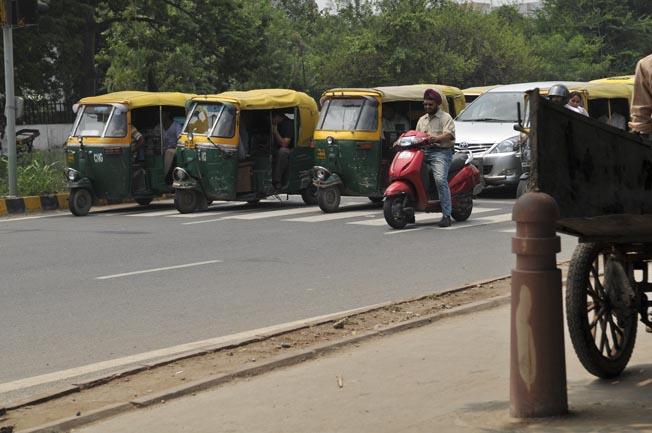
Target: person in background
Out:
[137,141]
[394,124]
[575,103]
[641,109]
[440,126]
[169,137]
[283,135]
[558,94]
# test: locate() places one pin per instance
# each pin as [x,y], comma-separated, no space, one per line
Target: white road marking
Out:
[420,217]
[271,214]
[333,216]
[167,268]
[481,221]
[159,213]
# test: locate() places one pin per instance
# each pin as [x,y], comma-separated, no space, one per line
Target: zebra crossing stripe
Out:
[481,221]
[333,216]
[420,217]
[271,214]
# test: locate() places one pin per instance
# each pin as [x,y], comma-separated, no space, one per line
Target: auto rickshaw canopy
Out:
[603,89]
[270,99]
[623,79]
[138,99]
[412,92]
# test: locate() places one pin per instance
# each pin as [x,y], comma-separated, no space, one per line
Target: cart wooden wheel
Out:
[603,340]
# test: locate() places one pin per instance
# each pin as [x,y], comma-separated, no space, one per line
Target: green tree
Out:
[614,33]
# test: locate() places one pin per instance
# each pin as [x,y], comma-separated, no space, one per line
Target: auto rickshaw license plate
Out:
[71,157]
[321,154]
[189,145]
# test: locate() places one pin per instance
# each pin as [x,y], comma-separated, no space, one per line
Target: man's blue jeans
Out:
[440,161]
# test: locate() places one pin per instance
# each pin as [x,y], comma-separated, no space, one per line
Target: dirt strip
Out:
[154,384]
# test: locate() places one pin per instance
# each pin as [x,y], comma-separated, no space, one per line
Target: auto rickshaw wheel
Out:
[80,201]
[186,200]
[394,212]
[309,194]
[376,199]
[461,210]
[144,201]
[329,199]
[603,340]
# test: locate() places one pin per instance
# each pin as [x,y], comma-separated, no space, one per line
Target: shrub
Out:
[37,173]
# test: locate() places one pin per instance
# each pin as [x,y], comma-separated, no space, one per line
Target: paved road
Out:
[129,280]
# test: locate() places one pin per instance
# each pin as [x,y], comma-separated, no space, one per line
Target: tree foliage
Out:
[84,47]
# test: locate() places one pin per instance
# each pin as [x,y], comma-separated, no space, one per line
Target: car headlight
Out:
[506,146]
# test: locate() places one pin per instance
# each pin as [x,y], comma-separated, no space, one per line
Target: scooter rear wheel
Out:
[393,210]
[462,210]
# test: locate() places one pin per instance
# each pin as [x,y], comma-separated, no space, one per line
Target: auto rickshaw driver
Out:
[283,135]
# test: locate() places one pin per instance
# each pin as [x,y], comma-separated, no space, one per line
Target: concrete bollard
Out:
[537,358]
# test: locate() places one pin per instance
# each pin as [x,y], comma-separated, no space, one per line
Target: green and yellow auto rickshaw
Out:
[227,149]
[115,150]
[355,133]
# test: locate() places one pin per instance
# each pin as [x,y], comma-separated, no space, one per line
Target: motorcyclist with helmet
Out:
[558,94]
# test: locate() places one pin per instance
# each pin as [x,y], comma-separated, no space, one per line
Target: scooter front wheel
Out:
[394,212]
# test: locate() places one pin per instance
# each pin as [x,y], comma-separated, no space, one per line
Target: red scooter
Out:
[413,187]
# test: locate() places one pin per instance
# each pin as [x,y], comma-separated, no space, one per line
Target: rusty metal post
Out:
[537,366]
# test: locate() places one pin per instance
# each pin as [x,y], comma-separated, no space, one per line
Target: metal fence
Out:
[46,113]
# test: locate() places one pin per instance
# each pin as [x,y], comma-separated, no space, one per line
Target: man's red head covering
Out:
[433,95]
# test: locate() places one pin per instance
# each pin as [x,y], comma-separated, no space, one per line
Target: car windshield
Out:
[214,119]
[349,114]
[493,107]
[100,121]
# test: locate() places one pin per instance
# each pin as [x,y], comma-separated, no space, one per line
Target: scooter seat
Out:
[456,164]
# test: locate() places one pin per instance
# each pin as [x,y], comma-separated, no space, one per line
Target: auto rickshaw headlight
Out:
[321,174]
[179,174]
[71,174]
[329,140]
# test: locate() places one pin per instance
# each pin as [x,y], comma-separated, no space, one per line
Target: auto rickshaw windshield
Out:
[349,114]
[100,121]
[214,119]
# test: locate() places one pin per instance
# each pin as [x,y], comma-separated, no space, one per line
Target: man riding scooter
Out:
[439,125]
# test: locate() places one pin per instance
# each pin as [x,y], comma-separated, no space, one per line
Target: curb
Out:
[272,364]
[40,203]
[18,205]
